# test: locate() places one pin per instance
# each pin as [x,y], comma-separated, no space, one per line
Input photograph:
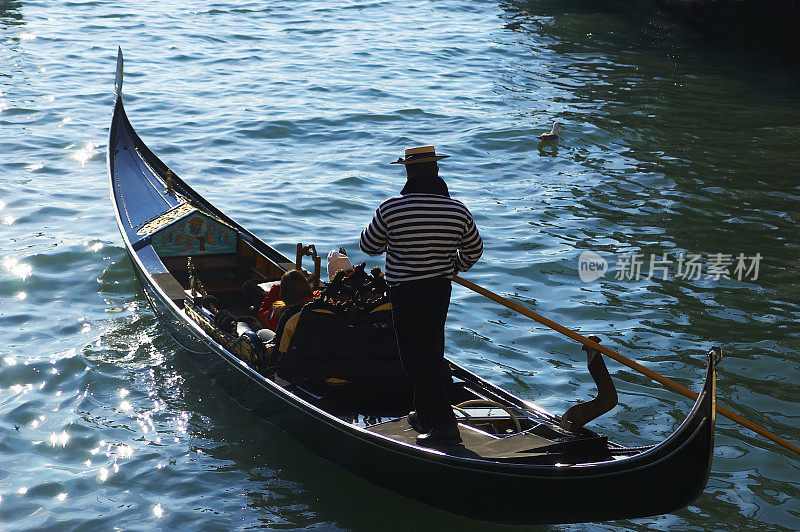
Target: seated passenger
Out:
[295,292]
[292,290]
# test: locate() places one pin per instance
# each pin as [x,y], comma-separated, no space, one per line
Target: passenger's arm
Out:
[265,309]
[280,330]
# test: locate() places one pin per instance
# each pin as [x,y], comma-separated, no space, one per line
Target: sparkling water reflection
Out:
[285,115]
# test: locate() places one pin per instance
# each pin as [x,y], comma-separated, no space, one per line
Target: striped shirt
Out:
[424,235]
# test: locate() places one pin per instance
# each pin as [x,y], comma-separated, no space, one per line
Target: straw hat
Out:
[422,154]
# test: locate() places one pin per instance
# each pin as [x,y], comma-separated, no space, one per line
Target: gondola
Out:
[517,463]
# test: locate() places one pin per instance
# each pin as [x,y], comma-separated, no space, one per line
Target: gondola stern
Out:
[710,388]
[697,433]
[682,461]
[703,411]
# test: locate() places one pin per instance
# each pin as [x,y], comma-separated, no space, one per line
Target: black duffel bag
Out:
[360,349]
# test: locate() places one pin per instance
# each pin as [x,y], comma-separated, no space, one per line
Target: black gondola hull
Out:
[648,484]
[655,481]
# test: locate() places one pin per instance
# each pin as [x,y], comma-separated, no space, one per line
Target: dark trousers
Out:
[419,310]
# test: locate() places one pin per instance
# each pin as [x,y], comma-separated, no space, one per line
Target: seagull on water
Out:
[552,134]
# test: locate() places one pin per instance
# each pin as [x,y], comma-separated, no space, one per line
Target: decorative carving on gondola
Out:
[237,335]
[579,415]
[169,176]
[249,348]
[309,251]
[165,219]
[195,285]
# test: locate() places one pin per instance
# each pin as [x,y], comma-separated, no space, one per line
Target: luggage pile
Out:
[346,336]
[357,293]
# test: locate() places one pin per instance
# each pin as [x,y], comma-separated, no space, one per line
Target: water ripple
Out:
[286,115]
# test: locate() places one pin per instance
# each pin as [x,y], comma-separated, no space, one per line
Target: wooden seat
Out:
[219,273]
[170,286]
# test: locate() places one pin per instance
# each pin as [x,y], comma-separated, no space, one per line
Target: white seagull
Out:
[552,134]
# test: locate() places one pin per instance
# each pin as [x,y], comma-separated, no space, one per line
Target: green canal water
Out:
[285,114]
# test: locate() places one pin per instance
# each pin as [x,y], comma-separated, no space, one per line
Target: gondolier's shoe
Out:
[448,437]
[418,424]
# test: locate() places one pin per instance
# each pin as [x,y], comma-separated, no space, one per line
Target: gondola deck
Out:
[527,470]
[524,447]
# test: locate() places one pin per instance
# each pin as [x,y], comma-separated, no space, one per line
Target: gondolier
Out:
[427,236]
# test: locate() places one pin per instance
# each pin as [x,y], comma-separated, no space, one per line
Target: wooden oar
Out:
[621,359]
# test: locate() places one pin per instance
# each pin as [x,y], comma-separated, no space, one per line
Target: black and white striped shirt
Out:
[424,235]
